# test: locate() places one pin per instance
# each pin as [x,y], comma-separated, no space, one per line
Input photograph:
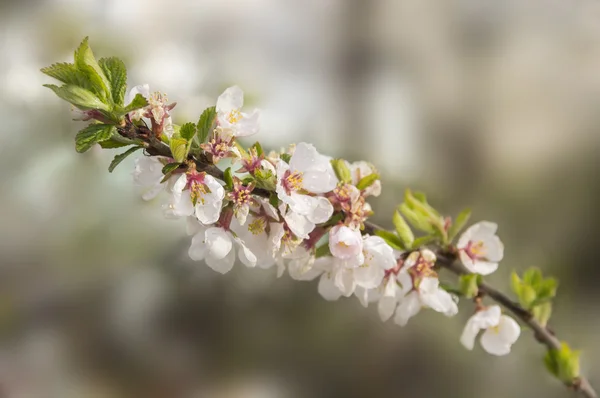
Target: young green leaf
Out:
[228,178]
[179,149]
[187,131]
[92,134]
[323,250]
[367,181]
[423,241]
[258,148]
[118,142]
[116,72]
[342,171]
[469,285]
[138,102]
[542,313]
[404,232]
[86,62]
[205,123]
[68,74]
[391,239]
[563,363]
[286,157]
[80,97]
[120,157]
[415,219]
[459,223]
[170,167]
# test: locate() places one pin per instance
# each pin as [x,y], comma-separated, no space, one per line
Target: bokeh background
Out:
[482,103]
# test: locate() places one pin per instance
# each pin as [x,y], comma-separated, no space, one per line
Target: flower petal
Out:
[327,288]
[231,99]
[198,248]
[409,307]
[245,255]
[322,210]
[222,265]
[219,243]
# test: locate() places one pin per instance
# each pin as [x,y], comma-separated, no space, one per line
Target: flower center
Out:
[234,116]
[475,250]
[292,181]
[258,226]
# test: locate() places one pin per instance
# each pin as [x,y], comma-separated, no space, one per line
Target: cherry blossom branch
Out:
[544,335]
[306,213]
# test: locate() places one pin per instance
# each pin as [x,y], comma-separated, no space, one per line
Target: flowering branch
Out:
[306,213]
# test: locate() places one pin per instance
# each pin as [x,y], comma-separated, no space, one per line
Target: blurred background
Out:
[482,103]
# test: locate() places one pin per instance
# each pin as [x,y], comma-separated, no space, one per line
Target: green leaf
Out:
[323,251]
[178,149]
[415,219]
[367,181]
[274,200]
[391,239]
[258,148]
[265,179]
[86,62]
[547,289]
[120,157]
[115,71]
[404,232]
[68,74]
[469,285]
[533,277]
[138,102]
[423,241]
[563,363]
[228,178]
[169,167]
[205,123]
[80,97]
[342,171]
[187,131]
[542,313]
[459,223]
[92,134]
[117,141]
[286,157]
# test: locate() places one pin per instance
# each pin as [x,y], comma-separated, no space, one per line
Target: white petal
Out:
[198,247]
[249,124]
[181,204]
[322,210]
[344,280]
[319,181]
[246,256]
[469,334]
[298,224]
[208,213]
[481,267]
[143,89]
[409,307]
[379,252]
[219,242]
[152,192]
[327,288]
[494,249]
[345,242]
[222,265]
[386,307]
[405,281]
[498,340]
[231,99]
[369,275]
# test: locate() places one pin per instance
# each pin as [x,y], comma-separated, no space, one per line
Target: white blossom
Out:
[200,188]
[501,331]
[345,243]
[307,172]
[480,249]
[148,175]
[216,246]
[230,117]
[420,288]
